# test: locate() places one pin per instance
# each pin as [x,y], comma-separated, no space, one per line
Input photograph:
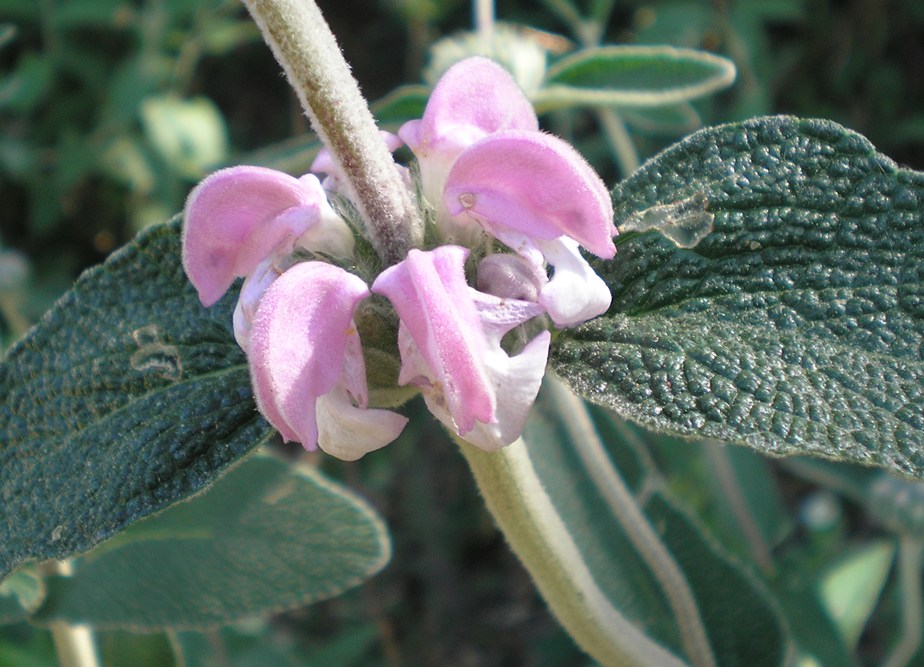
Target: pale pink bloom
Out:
[538,196]
[449,340]
[307,367]
[485,165]
[473,99]
[239,217]
[294,320]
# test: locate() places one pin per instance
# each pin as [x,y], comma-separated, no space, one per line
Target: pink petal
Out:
[534,184]
[298,343]
[434,303]
[474,98]
[235,218]
[513,381]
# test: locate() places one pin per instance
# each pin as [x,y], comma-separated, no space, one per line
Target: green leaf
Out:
[127,397]
[650,569]
[813,630]
[402,104]
[20,595]
[189,134]
[633,76]
[850,590]
[796,326]
[733,490]
[265,537]
[676,119]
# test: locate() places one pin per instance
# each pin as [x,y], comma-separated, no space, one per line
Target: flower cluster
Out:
[508,203]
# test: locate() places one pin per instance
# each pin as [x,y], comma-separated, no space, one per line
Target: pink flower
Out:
[306,362]
[294,320]
[473,99]
[491,175]
[486,167]
[449,338]
[238,217]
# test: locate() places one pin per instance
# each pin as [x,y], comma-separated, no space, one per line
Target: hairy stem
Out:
[618,136]
[538,535]
[635,524]
[307,50]
[484,22]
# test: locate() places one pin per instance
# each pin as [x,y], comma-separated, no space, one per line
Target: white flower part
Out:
[516,379]
[346,428]
[349,432]
[574,293]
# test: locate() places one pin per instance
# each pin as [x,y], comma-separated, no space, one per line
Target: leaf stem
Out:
[618,136]
[484,22]
[638,529]
[538,535]
[306,48]
[74,643]
[729,483]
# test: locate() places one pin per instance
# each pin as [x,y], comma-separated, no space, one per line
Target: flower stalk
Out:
[306,48]
[536,532]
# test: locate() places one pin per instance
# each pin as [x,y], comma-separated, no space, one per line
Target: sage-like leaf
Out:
[796,326]
[265,537]
[633,76]
[125,398]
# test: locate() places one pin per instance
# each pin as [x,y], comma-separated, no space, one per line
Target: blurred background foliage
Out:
[112,109]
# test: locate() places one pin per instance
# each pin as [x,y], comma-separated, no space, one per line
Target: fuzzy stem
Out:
[307,50]
[484,22]
[616,133]
[583,434]
[536,532]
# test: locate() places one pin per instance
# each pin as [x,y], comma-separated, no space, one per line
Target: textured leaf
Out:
[796,326]
[127,397]
[634,76]
[265,537]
